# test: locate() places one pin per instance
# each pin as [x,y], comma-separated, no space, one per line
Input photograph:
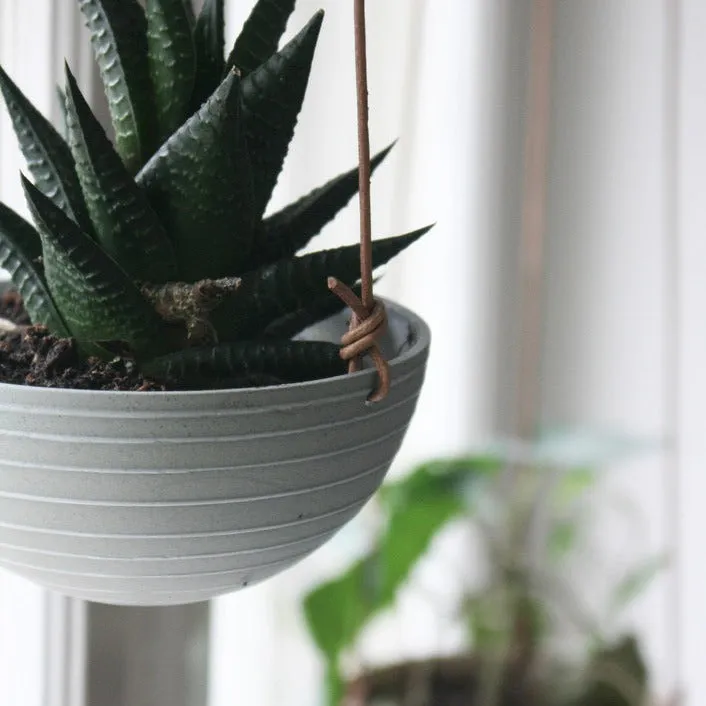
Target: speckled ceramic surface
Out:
[166,498]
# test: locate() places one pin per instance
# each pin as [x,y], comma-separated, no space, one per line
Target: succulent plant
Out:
[155,245]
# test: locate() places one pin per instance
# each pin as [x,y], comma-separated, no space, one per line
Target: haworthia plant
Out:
[155,243]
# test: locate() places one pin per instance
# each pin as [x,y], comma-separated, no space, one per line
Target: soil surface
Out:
[33,356]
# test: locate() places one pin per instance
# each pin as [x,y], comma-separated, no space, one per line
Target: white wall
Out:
[606,328]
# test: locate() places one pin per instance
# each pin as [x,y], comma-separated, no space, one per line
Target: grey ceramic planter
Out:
[166,498]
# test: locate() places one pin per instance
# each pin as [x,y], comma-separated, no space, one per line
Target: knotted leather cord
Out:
[368,317]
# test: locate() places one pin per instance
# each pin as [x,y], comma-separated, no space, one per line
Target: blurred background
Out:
[548,499]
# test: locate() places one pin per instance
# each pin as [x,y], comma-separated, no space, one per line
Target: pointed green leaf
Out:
[61,98]
[290,325]
[119,37]
[318,310]
[47,154]
[209,42]
[246,361]
[97,300]
[189,11]
[288,285]
[260,36]
[126,226]
[291,229]
[172,61]
[20,255]
[199,183]
[272,96]
[327,306]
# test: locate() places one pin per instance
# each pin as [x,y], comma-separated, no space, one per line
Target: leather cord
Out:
[368,319]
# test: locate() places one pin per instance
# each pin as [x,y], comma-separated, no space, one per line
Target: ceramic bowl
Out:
[156,498]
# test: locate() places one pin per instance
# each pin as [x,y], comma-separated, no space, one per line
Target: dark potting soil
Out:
[33,356]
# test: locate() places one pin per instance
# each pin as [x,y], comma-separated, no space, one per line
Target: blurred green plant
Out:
[524,500]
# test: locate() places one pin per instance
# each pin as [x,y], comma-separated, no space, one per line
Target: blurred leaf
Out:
[337,610]
[505,615]
[335,685]
[562,539]
[617,675]
[572,485]
[409,533]
[452,476]
[485,615]
[417,507]
[635,583]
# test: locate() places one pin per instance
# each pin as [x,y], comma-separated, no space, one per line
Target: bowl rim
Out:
[359,380]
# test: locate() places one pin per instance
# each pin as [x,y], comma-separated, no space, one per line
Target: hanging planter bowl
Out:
[156,498]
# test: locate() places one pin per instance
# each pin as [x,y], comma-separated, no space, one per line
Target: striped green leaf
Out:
[209,41]
[318,310]
[61,99]
[260,36]
[200,185]
[291,284]
[189,10]
[272,97]
[288,231]
[172,62]
[119,38]
[20,255]
[47,154]
[233,363]
[125,224]
[96,298]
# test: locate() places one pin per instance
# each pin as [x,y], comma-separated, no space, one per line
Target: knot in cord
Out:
[362,338]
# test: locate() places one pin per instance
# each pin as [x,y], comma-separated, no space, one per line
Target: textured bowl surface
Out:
[172,497]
